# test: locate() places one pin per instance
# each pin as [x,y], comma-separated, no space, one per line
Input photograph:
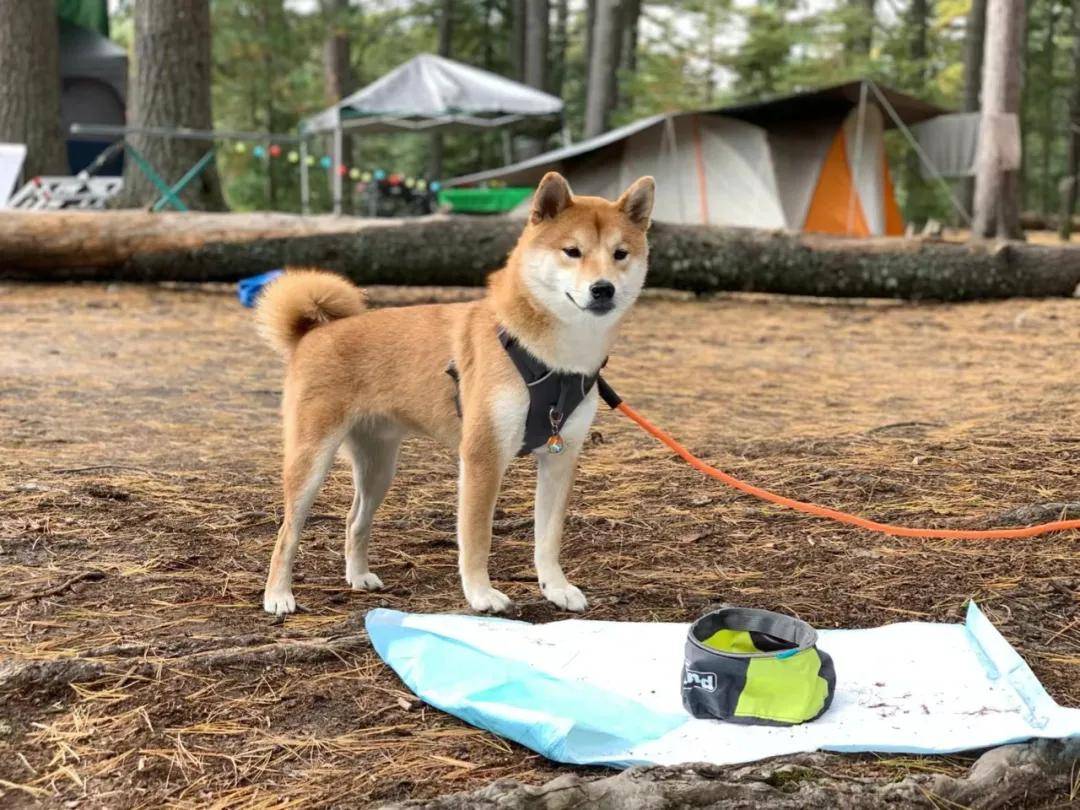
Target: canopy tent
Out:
[812,161]
[93,74]
[428,94]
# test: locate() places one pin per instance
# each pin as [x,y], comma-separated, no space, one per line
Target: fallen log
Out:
[1035,221]
[1036,774]
[460,251]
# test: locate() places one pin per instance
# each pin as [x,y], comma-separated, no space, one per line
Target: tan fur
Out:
[365,380]
[300,300]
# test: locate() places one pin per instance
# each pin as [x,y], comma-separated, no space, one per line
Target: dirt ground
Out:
[139,499]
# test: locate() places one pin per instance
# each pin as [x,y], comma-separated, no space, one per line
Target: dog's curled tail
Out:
[299,301]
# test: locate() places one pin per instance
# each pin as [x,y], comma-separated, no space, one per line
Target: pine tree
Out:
[1072,159]
[974,37]
[997,209]
[169,86]
[603,66]
[30,84]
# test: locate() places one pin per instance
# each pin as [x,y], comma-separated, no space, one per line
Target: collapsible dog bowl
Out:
[755,666]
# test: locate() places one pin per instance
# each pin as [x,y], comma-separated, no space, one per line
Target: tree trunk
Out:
[446,39]
[536,43]
[1012,199]
[590,24]
[272,20]
[616,59]
[337,62]
[861,32]
[997,208]
[516,44]
[974,38]
[603,66]
[631,20]
[918,25]
[338,78]
[1047,133]
[170,87]
[1072,159]
[489,35]
[460,251]
[558,47]
[30,84]
[713,18]
[537,13]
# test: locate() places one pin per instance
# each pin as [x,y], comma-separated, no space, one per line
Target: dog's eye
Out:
[620,254]
[572,252]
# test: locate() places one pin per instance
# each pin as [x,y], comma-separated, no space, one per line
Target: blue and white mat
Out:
[608,693]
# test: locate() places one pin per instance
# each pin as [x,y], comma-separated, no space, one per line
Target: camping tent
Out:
[812,161]
[429,94]
[93,75]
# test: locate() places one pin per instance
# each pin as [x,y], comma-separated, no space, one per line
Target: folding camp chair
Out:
[169,194]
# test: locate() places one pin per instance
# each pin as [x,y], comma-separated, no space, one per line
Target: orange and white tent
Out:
[813,161]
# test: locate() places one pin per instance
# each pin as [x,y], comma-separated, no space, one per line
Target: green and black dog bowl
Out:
[755,667]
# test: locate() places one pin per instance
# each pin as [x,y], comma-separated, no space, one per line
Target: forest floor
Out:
[139,499]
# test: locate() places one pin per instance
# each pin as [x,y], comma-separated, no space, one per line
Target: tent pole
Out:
[860,126]
[337,178]
[673,156]
[305,181]
[353,207]
[508,148]
[925,158]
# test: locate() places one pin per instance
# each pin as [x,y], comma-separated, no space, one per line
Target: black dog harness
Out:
[553,396]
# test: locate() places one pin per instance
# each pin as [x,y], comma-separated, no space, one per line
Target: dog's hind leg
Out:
[308,458]
[374,459]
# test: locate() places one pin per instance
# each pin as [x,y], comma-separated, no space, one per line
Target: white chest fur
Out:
[509,410]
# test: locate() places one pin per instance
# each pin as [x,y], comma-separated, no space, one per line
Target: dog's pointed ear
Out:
[637,201]
[552,197]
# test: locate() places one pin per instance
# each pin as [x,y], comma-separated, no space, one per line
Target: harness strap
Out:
[553,395]
[451,370]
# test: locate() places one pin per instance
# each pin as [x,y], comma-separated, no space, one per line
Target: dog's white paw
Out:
[488,600]
[364,582]
[568,597]
[279,602]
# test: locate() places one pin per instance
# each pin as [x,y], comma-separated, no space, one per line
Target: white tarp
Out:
[589,692]
[432,87]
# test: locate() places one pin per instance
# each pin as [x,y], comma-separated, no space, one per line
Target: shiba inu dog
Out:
[510,374]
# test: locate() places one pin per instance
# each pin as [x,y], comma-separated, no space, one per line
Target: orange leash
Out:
[833,514]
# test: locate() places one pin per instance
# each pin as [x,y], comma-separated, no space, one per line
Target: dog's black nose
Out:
[602,291]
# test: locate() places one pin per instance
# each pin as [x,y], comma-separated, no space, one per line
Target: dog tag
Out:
[555,443]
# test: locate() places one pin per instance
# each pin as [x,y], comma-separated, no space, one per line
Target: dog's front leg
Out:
[554,476]
[478,488]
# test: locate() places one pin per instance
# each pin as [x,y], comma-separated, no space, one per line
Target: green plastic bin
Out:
[483,200]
